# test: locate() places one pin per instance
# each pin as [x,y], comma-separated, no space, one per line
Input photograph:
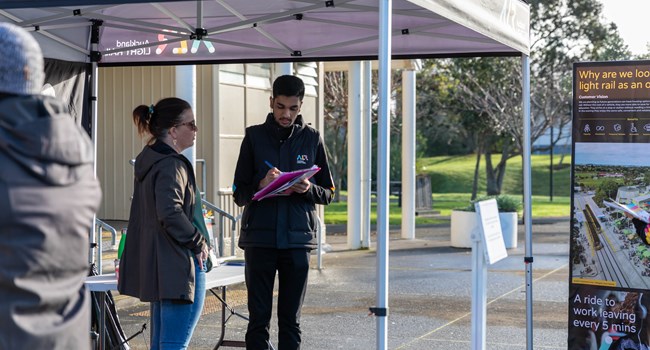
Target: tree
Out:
[475,104]
[563,32]
[336,122]
[439,126]
[395,116]
[607,189]
[449,127]
[496,113]
[646,177]
[336,125]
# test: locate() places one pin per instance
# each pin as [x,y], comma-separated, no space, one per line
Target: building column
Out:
[366,153]
[354,155]
[408,154]
[186,89]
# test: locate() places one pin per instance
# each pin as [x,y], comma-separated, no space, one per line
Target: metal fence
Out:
[97,244]
[225,222]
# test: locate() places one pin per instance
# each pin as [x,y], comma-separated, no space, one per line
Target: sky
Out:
[631,18]
[612,153]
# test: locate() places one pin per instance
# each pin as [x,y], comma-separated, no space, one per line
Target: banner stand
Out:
[479,298]
[609,258]
[488,247]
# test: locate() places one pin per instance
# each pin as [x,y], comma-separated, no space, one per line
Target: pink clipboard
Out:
[283,182]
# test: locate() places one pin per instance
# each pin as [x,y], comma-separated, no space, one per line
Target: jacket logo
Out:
[302,159]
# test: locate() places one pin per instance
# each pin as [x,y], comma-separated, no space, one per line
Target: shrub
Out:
[505,203]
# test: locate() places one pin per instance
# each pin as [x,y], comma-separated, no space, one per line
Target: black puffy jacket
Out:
[286,221]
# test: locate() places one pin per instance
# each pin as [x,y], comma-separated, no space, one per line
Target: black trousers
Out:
[292,266]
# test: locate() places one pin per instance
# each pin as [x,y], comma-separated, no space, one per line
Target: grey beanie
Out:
[21,61]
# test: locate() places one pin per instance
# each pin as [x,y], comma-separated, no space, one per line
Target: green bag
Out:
[199,222]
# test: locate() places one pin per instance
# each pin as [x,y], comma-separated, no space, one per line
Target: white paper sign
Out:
[490,226]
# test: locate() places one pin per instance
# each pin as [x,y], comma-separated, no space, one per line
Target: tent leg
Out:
[383,174]
[528,256]
[93,112]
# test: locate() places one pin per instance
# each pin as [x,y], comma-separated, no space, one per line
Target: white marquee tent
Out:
[278,30]
[136,32]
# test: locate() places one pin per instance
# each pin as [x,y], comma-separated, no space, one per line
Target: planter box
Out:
[464,223]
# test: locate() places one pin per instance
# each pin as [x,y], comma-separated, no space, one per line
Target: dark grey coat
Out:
[48,195]
[157,262]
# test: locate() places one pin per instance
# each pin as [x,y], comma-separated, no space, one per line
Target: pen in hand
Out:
[272,167]
[271,175]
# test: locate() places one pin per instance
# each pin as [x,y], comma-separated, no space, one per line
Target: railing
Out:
[100,226]
[221,224]
[226,202]
[204,176]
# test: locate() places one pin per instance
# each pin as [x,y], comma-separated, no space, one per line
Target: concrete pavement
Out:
[429,297]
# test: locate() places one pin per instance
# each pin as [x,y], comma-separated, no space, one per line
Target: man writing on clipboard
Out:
[278,233]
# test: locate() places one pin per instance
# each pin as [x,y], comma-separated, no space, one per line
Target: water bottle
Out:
[120,249]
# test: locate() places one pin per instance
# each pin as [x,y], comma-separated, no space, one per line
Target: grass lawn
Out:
[451,181]
[455,174]
[337,213]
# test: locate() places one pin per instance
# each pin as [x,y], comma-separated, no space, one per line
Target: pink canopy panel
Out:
[220,31]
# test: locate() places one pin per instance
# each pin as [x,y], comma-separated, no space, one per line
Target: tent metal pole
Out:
[383,173]
[528,257]
[199,14]
[94,90]
[258,29]
[93,107]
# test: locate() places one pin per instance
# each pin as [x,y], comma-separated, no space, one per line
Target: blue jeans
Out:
[172,323]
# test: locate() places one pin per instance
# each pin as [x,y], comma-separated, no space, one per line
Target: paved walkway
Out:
[430,297]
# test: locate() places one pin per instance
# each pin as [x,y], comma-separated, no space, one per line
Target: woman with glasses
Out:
[164,257]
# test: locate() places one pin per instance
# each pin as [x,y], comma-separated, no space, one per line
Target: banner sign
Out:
[490,227]
[609,288]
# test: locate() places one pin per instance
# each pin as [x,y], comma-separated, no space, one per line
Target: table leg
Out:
[224,320]
[223,317]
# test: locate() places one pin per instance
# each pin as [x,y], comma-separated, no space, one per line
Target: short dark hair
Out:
[288,85]
[156,120]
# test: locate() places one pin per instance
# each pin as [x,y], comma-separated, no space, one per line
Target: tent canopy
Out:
[239,31]
[179,32]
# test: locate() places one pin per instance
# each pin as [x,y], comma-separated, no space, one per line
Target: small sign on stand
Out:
[490,227]
[487,246]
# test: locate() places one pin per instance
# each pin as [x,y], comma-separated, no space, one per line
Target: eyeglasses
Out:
[191,125]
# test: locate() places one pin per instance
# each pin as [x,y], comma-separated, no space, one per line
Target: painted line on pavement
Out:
[469,313]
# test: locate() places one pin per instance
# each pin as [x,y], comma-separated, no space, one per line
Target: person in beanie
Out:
[48,196]
[278,233]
